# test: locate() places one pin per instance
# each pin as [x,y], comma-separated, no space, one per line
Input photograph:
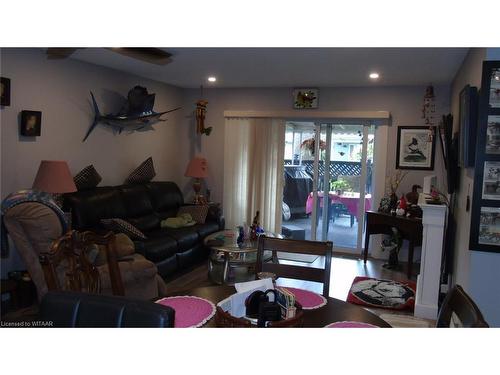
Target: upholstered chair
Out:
[33,227]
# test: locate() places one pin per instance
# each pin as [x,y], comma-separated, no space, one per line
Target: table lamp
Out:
[197,168]
[54,177]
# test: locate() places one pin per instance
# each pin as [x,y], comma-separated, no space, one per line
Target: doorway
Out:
[328,182]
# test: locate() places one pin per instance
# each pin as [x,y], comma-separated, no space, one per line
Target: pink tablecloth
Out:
[351,201]
[350,324]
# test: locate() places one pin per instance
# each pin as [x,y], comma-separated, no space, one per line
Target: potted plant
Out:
[340,186]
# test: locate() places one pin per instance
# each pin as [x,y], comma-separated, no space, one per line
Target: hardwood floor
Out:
[344,269]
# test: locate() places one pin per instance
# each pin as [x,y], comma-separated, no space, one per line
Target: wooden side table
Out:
[380,223]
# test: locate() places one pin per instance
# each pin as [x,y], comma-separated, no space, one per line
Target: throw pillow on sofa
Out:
[143,173]
[197,212]
[87,178]
[121,226]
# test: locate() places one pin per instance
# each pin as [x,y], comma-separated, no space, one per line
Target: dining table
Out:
[349,199]
[333,311]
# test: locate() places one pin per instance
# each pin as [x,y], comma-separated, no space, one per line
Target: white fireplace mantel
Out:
[428,281]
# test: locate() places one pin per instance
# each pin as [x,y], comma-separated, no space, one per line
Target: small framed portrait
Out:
[493,135]
[489,226]
[31,123]
[495,88]
[305,98]
[415,148]
[4,91]
[491,180]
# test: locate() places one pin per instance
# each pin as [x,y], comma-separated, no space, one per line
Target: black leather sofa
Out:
[145,206]
[71,309]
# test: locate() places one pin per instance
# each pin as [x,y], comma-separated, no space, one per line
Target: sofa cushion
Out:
[146,223]
[136,200]
[158,246]
[185,237]
[206,229]
[165,197]
[88,207]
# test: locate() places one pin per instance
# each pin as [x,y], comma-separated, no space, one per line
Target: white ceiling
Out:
[290,67]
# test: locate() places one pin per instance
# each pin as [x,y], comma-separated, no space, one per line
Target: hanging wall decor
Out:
[4,91]
[31,123]
[135,115]
[415,148]
[305,98]
[429,109]
[200,114]
[485,216]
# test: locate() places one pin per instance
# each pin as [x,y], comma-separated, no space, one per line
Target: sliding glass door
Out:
[328,182]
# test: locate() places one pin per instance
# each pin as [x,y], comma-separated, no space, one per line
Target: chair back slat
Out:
[293,271]
[459,303]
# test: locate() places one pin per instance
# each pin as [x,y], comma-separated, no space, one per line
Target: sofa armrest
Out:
[215,214]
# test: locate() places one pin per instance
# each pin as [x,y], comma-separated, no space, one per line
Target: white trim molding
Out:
[355,117]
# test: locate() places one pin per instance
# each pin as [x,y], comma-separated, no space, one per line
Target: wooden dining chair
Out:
[321,275]
[458,303]
[67,265]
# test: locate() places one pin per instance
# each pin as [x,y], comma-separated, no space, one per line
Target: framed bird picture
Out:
[415,148]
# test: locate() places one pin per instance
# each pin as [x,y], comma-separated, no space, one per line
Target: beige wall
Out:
[469,73]
[404,103]
[61,90]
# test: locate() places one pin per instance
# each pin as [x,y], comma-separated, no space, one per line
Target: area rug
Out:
[190,311]
[304,258]
[386,294]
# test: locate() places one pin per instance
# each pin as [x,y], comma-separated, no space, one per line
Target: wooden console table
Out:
[381,223]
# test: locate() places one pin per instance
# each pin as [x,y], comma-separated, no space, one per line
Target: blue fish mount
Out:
[136,114]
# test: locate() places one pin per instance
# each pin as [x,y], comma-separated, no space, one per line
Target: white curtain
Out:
[253,171]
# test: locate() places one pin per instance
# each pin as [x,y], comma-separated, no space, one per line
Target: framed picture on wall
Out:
[491,180]
[305,98]
[415,148]
[495,88]
[31,123]
[4,91]
[485,214]
[493,135]
[489,226]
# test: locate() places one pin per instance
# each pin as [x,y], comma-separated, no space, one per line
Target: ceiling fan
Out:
[147,54]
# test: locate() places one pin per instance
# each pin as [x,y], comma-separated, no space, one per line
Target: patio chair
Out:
[321,275]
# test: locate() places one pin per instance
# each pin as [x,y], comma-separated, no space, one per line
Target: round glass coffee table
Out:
[227,262]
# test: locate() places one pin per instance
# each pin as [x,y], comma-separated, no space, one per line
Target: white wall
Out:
[404,103]
[61,90]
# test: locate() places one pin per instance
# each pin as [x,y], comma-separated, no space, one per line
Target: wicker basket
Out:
[225,320]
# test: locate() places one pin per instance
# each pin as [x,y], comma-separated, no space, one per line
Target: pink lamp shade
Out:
[54,177]
[197,168]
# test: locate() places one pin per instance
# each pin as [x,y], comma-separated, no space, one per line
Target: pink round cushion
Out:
[190,311]
[308,300]
[350,324]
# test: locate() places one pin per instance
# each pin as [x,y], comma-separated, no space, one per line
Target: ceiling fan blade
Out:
[149,55]
[60,53]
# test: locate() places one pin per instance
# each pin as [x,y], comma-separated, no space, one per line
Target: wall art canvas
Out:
[415,148]
[495,88]
[491,180]
[305,98]
[493,135]
[4,91]
[31,123]
[489,227]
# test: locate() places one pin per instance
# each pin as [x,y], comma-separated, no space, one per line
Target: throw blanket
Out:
[181,221]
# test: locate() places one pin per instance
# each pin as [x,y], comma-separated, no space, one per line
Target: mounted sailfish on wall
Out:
[136,114]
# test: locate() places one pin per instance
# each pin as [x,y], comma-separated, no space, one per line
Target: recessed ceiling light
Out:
[212,79]
[497,78]
[374,75]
